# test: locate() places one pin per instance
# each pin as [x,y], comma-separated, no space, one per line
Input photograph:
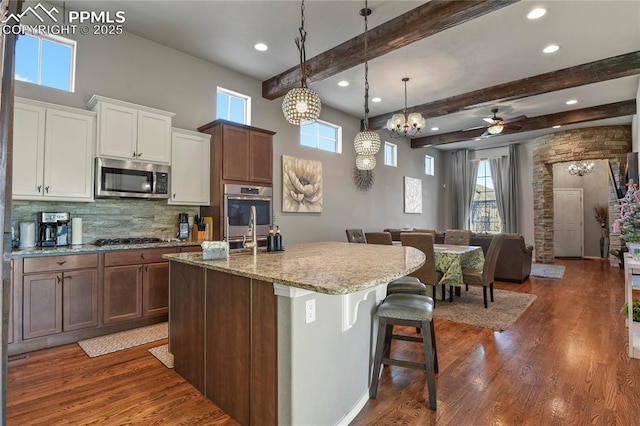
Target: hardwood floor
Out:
[564,361]
[62,386]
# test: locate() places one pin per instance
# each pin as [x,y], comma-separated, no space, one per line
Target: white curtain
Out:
[463,184]
[505,183]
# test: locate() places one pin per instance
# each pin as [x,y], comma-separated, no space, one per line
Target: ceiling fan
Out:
[497,124]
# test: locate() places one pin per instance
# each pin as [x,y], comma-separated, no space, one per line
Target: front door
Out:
[567,222]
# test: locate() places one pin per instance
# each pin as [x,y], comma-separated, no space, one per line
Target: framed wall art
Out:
[412,195]
[301,185]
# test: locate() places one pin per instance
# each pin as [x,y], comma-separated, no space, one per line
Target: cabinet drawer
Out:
[137,257]
[60,263]
[191,249]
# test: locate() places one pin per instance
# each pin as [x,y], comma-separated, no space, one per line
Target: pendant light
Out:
[301,105]
[366,142]
[405,125]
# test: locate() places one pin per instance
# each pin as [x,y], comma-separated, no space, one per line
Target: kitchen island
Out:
[286,337]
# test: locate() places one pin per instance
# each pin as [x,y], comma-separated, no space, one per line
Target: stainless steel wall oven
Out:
[238,200]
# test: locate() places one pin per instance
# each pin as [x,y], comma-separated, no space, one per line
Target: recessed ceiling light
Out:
[551,48]
[376,99]
[536,13]
[572,101]
[260,47]
[343,83]
[435,128]
[557,126]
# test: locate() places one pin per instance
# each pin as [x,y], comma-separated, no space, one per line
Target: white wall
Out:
[137,70]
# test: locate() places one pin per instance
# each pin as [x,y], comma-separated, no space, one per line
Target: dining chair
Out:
[458,237]
[356,236]
[485,276]
[383,238]
[427,273]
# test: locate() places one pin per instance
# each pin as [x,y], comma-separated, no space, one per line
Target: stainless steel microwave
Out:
[131,179]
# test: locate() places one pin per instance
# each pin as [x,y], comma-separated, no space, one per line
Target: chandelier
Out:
[405,125]
[366,143]
[301,105]
[581,168]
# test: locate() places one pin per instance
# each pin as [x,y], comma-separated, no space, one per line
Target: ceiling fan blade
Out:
[474,128]
[488,120]
[514,119]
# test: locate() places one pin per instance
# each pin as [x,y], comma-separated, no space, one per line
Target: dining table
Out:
[450,259]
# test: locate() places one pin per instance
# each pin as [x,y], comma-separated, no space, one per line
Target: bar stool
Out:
[406,285]
[409,310]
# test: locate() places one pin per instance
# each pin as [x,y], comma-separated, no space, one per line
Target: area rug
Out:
[103,345]
[469,308]
[163,355]
[547,271]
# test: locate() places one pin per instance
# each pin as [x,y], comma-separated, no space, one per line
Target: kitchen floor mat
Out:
[103,345]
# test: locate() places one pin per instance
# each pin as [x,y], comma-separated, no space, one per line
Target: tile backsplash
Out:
[111,218]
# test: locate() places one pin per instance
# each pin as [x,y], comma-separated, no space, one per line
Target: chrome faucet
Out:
[253,244]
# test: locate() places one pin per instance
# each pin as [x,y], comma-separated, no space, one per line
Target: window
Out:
[428,165]
[46,60]
[390,154]
[322,135]
[233,106]
[484,210]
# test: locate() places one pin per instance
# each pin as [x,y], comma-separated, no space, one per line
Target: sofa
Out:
[514,259]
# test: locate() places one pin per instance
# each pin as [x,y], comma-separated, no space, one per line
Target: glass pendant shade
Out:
[581,168]
[301,106]
[395,122]
[496,129]
[365,162]
[367,143]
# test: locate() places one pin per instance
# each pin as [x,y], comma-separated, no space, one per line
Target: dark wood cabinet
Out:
[122,293]
[155,289]
[42,305]
[231,322]
[136,284]
[243,153]
[240,154]
[56,299]
[79,299]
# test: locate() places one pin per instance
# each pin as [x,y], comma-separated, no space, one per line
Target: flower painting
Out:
[412,195]
[301,185]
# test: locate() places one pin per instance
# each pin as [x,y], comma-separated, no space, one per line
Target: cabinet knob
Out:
[139,155]
[174,195]
[134,154]
[61,263]
[39,188]
[46,188]
[58,279]
[141,255]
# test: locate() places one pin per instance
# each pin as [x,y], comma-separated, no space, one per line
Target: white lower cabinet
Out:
[190,168]
[52,152]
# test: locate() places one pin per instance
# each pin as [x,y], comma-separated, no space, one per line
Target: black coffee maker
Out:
[53,229]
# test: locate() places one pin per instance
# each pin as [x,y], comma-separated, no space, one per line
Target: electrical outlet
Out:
[310,311]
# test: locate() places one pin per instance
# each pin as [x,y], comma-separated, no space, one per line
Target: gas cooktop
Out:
[134,240]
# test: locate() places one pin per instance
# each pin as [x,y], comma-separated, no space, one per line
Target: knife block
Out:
[198,235]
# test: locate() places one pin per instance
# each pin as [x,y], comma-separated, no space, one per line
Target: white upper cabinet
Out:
[52,152]
[190,168]
[132,132]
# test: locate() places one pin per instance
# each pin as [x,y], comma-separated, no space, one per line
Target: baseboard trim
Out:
[348,418]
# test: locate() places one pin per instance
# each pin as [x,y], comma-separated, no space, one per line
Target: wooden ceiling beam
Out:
[592,72]
[600,112]
[423,21]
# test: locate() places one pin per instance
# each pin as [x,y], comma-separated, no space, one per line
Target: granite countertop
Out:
[327,267]
[90,248]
